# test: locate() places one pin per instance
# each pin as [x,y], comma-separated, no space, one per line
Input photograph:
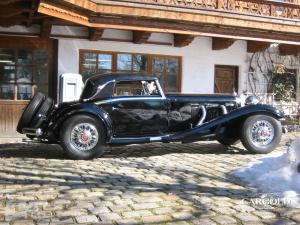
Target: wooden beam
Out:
[181,40]
[285,49]
[46,27]
[140,37]
[16,20]
[221,43]
[95,34]
[257,46]
[6,2]
[12,10]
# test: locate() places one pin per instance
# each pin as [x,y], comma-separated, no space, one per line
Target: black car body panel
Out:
[163,118]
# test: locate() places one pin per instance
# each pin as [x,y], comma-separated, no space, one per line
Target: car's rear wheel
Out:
[30,111]
[83,137]
[261,134]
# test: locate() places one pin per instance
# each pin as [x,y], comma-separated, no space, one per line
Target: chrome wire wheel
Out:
[262,133]
[84,136]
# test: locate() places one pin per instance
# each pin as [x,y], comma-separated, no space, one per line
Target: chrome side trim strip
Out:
[127,99]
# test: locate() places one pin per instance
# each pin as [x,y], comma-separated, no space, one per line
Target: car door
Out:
[135,113]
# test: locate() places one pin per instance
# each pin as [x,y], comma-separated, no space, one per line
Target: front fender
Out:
[237,116]
[81,108]
[255,109]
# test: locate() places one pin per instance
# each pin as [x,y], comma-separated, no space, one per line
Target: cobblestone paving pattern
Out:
[138,184]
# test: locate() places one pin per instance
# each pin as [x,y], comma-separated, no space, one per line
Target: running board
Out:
[138,140]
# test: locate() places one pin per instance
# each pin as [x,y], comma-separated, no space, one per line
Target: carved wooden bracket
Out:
[140,37]
[285,49]
[46,27]
[221,43]
[181,40]
[95,34]
[257,46]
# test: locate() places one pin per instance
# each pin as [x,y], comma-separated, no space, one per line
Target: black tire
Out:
[44,111]
[71,150]
[228,141]
[246,134]
[30,111]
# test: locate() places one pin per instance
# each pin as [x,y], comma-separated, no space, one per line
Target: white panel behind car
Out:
[70,87]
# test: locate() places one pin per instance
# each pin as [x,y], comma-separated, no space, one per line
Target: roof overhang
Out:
[136,16]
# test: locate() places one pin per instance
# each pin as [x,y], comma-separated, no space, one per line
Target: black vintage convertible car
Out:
[122,109]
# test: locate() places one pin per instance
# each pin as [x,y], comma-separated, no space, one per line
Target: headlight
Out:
[251,100]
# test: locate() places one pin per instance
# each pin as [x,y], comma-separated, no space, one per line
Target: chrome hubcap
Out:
[84,136]
[262,133]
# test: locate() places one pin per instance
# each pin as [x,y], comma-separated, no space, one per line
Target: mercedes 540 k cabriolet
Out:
[119,109]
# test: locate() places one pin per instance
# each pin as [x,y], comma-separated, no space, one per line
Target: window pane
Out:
[158,65]
[7,56]
[139,63]
[42,88]
[24,56]
[104,61]
[24,92]
[40,75]
[24,74]
[7,91]
[171,84]
[41,57]
[132,88]
[172,65]
[88,73]
[89,61]
[124,62]
[7,73]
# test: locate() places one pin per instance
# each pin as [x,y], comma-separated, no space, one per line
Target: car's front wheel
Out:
[261,134]
[83,137]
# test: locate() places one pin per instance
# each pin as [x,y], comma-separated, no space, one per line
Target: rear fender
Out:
[83,108]
[234,119]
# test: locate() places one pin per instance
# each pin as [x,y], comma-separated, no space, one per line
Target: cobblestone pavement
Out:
[151,184]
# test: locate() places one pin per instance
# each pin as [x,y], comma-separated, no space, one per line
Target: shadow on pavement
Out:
[47,151]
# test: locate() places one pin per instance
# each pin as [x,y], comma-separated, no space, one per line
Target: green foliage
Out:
[284,86]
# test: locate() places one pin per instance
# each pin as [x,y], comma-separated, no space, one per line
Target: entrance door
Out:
[226,79]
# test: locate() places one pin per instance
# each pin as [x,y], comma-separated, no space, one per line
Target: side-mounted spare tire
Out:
[42,112]
[30,111]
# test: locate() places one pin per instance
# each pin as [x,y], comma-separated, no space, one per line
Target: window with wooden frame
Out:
[22,73]
[166,68]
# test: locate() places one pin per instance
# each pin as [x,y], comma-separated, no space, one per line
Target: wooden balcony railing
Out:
[288,9]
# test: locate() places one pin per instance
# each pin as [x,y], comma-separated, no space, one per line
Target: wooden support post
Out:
[95,34]
[285,49]
[221,43]
[257,46]
[181,40]
[140,37]
[46,27]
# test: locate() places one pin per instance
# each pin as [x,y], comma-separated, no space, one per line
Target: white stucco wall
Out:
[198,59]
